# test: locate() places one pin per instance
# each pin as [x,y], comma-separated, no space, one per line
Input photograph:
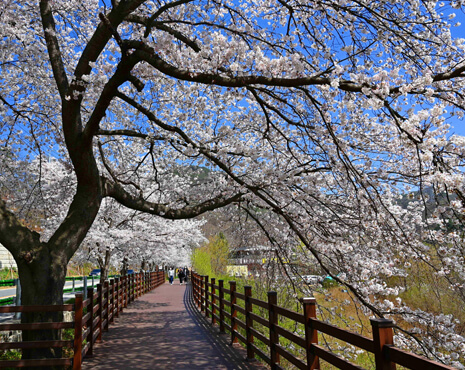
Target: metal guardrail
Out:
[7,301]
[13,300]
[10,282]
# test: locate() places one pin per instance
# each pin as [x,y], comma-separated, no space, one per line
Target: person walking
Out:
[180,275]
[171,275]
[186,274]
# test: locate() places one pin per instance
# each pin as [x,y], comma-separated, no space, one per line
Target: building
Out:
[6,259]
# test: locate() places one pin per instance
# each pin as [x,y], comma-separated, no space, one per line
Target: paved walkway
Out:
[163,330]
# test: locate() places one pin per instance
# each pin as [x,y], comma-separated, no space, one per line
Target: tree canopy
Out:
[314,118]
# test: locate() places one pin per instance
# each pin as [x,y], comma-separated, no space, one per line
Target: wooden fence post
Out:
[382,334]
[138,285]
[273,321]
[78,308]
[248,322]
[112,301]
[117,284]
[311,335]
[106,296]
[126,291]
[202,296]
[146,282]
[121,292]
[131,288]
[213,301]
[90,323]
[194,288]
[232,288]
[100,311]
[199,291]
[221,298]
[206,297]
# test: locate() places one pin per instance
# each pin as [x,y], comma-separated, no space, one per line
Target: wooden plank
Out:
[261,354]
[298,317]
[334,359]
[260,320]
[260,336]
[259,302]
[37,344]
[291,336]
[95,335]
[227,303]
[291,358]
[411,360]
[85,333]
[240,323]
[37,326]
[240,295]
[239,309]
[240,337]
[344,335]
[38,308]
[86,317]
[85,349]
[95,322]
[41,362]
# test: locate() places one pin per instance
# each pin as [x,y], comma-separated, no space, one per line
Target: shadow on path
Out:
[164,330]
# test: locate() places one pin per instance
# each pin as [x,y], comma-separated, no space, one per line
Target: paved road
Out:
[163,330]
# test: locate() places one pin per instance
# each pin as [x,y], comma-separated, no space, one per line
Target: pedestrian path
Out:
[163,330]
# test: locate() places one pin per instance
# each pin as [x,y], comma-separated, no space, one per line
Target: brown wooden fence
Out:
[91,317]
[209,296]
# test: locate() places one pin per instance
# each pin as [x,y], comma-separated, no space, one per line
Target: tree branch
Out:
[14,236]
[117,192]
[53,47]
[161,10]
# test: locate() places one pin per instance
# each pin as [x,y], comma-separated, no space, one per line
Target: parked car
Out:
[95,272]
[130,272]
[312,279]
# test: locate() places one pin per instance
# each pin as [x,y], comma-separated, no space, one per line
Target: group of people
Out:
[181,272]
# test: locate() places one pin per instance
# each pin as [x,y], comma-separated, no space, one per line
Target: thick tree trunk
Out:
[42,279]
[104,265]
[124,267]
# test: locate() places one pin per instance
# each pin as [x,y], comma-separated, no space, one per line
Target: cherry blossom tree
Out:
[316,118]
[119,234]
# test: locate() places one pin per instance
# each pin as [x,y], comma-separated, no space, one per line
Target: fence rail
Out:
[210,298]
[92,317]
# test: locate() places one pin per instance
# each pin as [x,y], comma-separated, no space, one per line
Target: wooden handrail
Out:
[109,301]
[381,345]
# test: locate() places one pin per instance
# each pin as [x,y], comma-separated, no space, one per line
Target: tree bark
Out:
[42,280]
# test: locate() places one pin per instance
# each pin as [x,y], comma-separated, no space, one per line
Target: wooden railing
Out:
[91,318]
[210,298]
